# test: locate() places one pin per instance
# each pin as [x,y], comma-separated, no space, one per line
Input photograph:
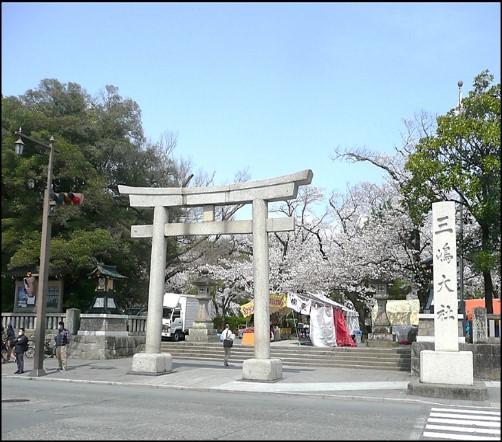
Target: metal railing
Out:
[29,321]
[136,325]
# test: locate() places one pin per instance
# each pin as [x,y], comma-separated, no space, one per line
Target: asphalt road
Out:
[73,411]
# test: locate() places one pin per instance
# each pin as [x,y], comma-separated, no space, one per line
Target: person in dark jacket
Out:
[62,339]
[11,337]
[20,346]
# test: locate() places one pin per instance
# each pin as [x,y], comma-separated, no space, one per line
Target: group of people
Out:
[12,344]
[19,345]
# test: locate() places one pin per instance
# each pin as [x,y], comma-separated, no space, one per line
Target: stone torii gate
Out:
[259,194]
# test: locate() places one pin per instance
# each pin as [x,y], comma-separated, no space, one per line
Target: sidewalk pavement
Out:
[322,382]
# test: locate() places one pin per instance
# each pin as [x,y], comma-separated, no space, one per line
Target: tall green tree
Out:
[461,163]
[100,145]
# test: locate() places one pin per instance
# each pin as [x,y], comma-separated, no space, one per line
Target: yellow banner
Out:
[276,303]
[247,309]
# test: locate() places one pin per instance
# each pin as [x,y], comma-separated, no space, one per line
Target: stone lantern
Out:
[104,299]
[202,328]
[381,335]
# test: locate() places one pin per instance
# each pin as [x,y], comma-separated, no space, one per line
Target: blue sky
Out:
[268,87]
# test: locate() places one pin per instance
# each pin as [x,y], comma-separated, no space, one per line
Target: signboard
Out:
[276,303]
[25,301]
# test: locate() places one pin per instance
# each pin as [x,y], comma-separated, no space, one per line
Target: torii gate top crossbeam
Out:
[273,189]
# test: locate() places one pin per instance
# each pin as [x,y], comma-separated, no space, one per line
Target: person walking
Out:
[20,346]
[11,337]
[228,342]
[62,339]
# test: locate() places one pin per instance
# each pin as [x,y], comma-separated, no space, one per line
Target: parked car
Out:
[136,311]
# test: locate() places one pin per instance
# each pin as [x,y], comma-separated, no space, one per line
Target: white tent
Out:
[325,300]
[322,323]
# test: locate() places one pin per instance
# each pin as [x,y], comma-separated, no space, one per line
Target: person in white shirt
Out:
[227,346]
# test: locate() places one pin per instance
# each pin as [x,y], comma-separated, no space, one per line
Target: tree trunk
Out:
[488,292]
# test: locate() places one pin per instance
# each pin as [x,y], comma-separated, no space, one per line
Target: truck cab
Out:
[178,314]
[172,324]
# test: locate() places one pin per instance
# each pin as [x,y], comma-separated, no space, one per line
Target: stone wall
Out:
[105,336]
[426,328]
[105,347]
[103,324]
[486,359]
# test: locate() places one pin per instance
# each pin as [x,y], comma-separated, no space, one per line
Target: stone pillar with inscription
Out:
[445,364]
[479,326]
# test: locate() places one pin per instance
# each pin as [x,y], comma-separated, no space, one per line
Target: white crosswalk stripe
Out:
[463,424]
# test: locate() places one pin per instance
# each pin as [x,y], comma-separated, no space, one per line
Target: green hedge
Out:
[233,321]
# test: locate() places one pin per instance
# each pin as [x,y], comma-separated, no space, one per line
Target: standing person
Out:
[228,342]
[62,339]
[5,343]
[20,346]
[11,337]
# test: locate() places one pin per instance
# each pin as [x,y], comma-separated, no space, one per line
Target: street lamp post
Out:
[458,111]
[45,250]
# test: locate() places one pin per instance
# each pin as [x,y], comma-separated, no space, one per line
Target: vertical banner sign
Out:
[445,276]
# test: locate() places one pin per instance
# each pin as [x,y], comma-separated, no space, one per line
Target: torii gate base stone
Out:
[259,194]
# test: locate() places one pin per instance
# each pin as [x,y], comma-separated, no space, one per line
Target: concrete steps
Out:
[396,358]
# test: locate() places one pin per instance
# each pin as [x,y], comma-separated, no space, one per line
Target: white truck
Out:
[178,314]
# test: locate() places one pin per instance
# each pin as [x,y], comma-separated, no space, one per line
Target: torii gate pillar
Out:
[259,193]
[261,367]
